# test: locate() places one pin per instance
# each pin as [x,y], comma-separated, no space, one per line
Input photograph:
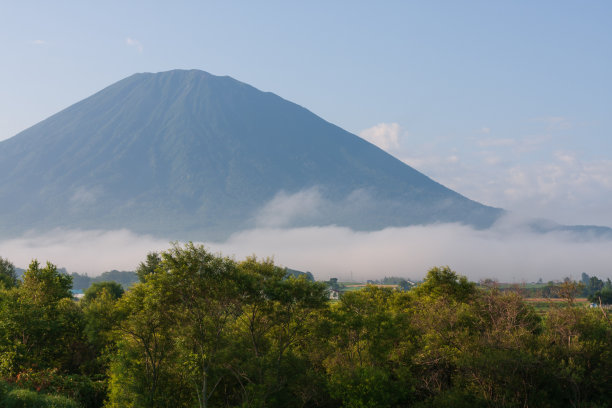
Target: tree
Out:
[46,285]
[149,266]
[577,345]
[8,277]
[205,330]
[275,322]
[114,290]
[41,325]
[499,362]
[176,329]
[568,290]
[584,278]
[101,317]
[603,296]
[442,281]
[369,341]
[141,367]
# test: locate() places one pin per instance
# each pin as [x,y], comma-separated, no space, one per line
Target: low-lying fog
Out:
[505,252]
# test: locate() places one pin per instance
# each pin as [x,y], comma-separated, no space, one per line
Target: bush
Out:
[21,398]
[89,394]
[4,389]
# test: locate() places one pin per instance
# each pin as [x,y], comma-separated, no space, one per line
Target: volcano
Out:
[185,155]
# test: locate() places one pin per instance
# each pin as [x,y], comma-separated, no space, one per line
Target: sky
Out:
[508,103]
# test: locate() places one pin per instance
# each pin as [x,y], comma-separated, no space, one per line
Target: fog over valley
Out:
[291,229]
[507,252]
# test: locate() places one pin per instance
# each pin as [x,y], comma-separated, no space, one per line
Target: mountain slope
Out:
[190,155]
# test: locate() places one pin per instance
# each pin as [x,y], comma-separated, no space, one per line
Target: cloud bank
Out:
[505,252]
[83,251]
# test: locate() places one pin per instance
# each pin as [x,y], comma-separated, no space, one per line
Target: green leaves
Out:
[204,330]
[8,277]
[41,326]
[201,323]
[44,286]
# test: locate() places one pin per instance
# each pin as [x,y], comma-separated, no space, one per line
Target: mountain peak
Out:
[191,155]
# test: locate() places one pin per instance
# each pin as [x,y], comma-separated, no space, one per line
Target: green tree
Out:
[369,344]
[41,326]
[149,266]
[8,277]
[568,290]
[499,363]
[206,291]
[176,329]
[204,330]
[603,296]
[101,317]
[140,370]
[577,344]
[113,289]
[444,282]
[45,286]
[268,364]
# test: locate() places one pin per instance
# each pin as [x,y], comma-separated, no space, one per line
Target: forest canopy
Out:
[203,330]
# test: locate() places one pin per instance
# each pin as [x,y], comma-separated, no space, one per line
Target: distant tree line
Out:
[202,330]
[124,278]
[81,282]
[591,287]
[596,290]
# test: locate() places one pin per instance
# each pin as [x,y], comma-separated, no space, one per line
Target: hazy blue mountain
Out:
[190,155]
[124,278]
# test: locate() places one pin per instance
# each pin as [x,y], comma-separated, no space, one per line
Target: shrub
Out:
[22,398]
[89,394]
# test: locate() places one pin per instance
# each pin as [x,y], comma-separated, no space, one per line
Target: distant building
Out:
[333,294]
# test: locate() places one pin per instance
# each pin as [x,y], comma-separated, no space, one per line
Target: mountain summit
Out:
[190,155]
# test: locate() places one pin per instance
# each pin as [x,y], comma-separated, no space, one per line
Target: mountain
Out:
[190,155]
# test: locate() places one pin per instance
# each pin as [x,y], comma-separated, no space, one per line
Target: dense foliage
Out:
[202,330]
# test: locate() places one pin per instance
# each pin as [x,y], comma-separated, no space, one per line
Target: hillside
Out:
[190,155]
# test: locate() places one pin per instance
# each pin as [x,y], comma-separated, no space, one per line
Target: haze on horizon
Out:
[508,252]
[507,104]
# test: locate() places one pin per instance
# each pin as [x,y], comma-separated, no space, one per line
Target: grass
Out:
[543,305]
[12,397]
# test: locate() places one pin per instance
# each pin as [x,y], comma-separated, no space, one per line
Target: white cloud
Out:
[384,135]
[312,207]
[567,158]
[285,208]
[134,43]
[563,188]
[38,42]
[506,252]
[84,251]
[565,178]
[538,173]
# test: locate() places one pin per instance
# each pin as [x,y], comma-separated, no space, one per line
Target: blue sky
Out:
[508,103]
